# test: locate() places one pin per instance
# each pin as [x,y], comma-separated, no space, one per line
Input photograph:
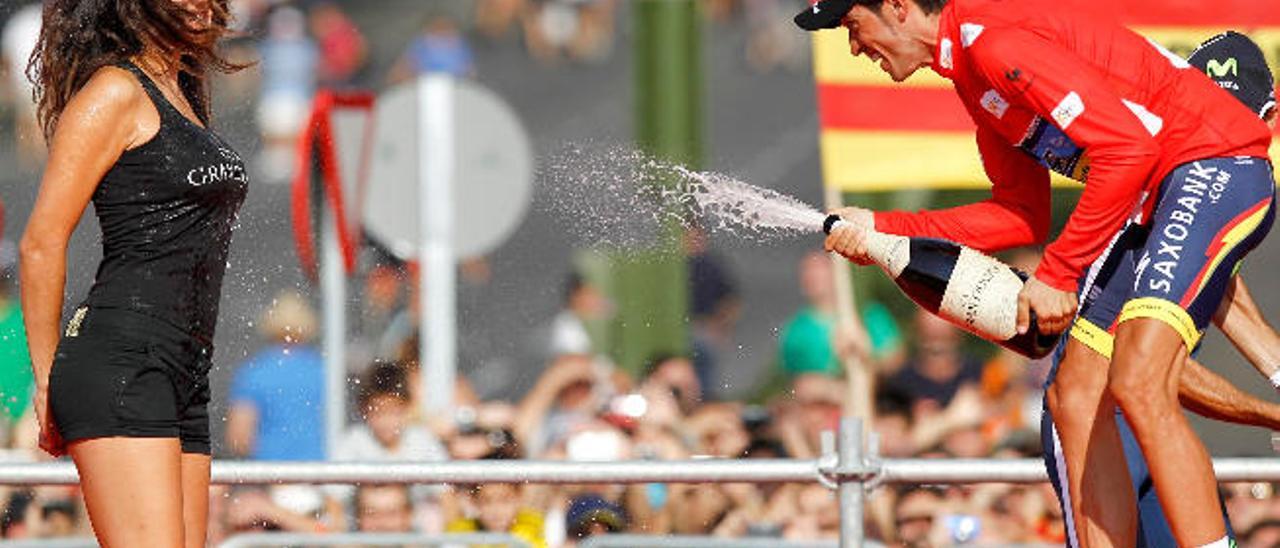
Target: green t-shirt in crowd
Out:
[15,362]
[805,345]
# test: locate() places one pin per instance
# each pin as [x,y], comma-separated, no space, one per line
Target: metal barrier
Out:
[690,471]
[850,470]
[272,540]
[75,542]
[690,541]
[464,472]
[683,541]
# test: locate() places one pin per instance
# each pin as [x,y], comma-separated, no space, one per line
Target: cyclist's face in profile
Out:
[880,35]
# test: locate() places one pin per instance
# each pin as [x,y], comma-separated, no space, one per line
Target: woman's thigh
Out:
[132,489]
[195,498]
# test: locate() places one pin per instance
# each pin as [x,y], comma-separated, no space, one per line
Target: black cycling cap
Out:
[1235,63]
[824,14]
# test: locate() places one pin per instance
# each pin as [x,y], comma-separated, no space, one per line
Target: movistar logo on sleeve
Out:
[1219,69]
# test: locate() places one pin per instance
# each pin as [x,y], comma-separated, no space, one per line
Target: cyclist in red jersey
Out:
[1157,144]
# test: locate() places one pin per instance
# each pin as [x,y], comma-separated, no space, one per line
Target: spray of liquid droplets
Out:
[727,204]
[621,198]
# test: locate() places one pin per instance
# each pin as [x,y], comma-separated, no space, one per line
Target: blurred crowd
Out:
[935,397]
[303,45]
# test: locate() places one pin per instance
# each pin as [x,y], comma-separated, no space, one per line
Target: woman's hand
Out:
[50,440]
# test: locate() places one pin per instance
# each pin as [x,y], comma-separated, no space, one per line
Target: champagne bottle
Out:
[966,287]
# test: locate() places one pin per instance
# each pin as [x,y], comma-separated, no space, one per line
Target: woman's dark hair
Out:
[78,37]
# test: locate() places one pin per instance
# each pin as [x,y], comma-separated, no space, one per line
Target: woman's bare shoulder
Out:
[109,88]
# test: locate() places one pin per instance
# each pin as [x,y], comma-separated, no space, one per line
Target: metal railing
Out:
[272,540]
[73,542]
[691,541]
[276,539]
[688,471]
[849,470]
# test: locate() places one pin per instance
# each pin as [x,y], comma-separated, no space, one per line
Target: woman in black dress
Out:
[123,388]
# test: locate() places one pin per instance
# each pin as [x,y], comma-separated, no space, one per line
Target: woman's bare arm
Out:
[98,124]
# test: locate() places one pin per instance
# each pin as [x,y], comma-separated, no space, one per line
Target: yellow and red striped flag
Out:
[878,135]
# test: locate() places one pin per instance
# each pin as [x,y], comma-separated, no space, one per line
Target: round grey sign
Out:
[493,171]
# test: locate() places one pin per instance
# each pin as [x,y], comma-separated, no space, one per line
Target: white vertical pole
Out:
[850,492]
[437,331]
[333,286]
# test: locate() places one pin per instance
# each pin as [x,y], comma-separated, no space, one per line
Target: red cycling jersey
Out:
[1054,88]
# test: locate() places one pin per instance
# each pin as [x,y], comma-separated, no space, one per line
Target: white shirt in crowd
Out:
[20,35]
[569,335]
[417,444]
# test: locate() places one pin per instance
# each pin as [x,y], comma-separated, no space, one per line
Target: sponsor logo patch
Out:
[1071,107]
[1219,69]
[73,326]
[1055,150]
[994,103]
[944,54]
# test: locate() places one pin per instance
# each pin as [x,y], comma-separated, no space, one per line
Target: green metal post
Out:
[650,287]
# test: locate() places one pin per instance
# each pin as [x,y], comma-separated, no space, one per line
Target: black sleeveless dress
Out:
[135,357]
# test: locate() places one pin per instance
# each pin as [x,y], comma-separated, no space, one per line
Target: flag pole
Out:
[858,372]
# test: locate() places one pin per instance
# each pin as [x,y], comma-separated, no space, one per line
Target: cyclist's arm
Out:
[1211,396]
[1068,91]
[1017,213]
[1241,321]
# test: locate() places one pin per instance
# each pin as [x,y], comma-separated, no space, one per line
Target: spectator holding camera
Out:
[674,374]
[291,508]
[569,394]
